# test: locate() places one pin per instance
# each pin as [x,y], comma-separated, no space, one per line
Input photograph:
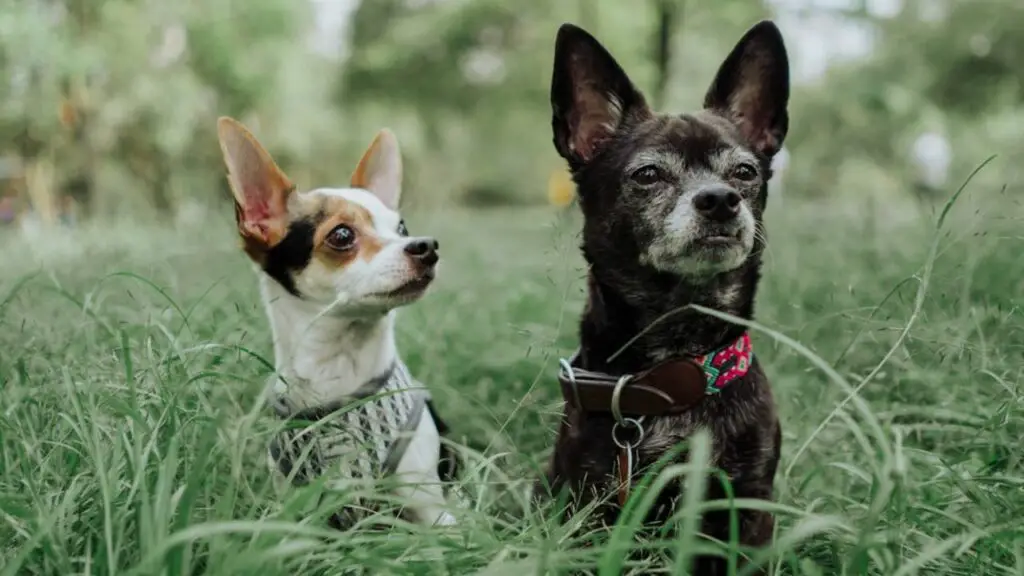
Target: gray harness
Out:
[365,441]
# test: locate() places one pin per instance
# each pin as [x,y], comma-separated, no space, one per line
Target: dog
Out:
[672,216]
[334,265]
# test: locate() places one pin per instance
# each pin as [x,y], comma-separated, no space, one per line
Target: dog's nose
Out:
[718,203]
[423,250]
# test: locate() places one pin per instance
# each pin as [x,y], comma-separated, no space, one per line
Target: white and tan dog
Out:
[335,264]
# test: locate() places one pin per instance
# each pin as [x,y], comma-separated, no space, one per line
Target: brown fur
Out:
[260,188]
[338,211]
[267,207]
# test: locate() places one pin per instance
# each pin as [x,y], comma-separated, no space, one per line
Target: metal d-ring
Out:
[621,421]
[630,423]
[572,378]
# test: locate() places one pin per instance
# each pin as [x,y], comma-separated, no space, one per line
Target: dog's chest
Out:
[741,423]
[363,438]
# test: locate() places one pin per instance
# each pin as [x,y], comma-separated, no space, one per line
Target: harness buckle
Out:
[616,395]
[571,376]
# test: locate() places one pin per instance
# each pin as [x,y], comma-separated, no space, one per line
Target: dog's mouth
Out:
[704,249]
[721,238]
[410,289]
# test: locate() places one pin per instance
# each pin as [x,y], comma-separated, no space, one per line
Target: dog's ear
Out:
[591,96]
[752,88]
[260,188]
[380,169]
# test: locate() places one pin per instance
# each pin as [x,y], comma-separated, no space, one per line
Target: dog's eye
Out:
[402,230]
[341,238]
[744,172]
[646,175]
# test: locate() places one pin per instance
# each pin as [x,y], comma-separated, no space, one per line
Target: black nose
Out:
[423,250]
[718,203]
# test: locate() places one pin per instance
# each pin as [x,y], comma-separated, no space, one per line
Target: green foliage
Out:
[139,85]
[464,84]
[477,75]
[134,441]
[945,66]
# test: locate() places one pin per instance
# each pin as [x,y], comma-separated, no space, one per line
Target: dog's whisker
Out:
[766,250]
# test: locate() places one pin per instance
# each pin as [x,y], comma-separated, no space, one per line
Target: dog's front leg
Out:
[755,529]
[417,471]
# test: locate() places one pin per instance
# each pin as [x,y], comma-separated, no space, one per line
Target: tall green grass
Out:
[133,439]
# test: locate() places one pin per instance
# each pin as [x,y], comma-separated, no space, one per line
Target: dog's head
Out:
[343,248]
[680,194]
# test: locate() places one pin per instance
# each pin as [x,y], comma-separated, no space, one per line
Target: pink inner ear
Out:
[589,136]
[591,128]
[594,119]
[256,208]
[258,230]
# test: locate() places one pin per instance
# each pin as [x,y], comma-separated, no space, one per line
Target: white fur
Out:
[681,228]
[383,173]
[682,225]
[351,292]
[341,334]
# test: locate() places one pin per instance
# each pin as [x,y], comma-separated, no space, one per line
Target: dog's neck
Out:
[321,358]
[639,317]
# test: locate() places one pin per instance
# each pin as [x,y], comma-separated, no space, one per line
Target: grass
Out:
[133,441]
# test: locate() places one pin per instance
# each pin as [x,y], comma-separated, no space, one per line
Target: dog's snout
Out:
[718,203]
[423,250]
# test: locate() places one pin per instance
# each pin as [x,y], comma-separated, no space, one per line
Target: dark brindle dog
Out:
[673,209]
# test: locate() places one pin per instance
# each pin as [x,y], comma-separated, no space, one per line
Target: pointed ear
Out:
[260,188]
[752,88]
[380,169]
[591,96]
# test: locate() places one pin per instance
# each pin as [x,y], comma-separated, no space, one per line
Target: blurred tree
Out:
[114,101]
[938,66]
[124,93]
[667,20]
[476,75]
[965,57]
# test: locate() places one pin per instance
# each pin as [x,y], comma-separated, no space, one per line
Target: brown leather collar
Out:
[671,387]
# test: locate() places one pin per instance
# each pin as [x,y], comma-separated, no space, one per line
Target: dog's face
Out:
[679,194]
[342,248]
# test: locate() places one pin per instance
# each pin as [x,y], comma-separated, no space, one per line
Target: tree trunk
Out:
[668,12]
[80,185]
[40,188]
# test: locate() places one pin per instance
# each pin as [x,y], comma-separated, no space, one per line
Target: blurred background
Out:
[108,107]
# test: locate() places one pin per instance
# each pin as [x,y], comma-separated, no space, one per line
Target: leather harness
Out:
[673,386]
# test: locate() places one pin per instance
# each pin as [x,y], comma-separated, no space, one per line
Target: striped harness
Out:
[360,438]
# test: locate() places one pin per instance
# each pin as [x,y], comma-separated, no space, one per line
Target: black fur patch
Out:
[291,254]
[448,464]
[626,295]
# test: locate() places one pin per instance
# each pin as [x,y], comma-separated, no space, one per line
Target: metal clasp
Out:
[621,422]
[571,375]
[627,446]
[626,424]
